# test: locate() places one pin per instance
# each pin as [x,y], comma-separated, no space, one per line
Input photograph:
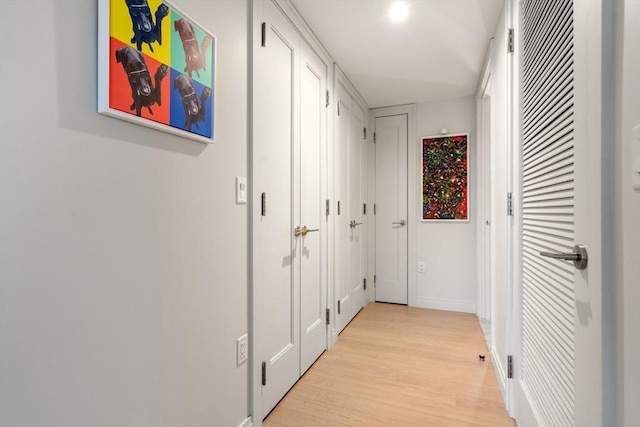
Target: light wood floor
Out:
[399,366]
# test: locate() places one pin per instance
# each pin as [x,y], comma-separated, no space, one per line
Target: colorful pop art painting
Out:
[445,178]
[156,67]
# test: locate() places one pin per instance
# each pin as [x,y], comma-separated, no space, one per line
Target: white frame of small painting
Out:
[156,68]
[445,185]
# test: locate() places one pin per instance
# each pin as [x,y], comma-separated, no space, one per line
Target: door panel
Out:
[391,209]
[313,295]
[560,379]
[355,206]
[342,229]
[274,242]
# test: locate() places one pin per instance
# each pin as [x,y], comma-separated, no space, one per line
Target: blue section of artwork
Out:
[191,105]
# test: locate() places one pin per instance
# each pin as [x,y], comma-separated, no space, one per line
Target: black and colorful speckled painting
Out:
[445,185]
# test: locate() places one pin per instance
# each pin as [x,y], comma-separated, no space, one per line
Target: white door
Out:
[312,243]
[274,220]
[391,209]
[559,380]
[350,231]
[357,229]
[342,229]
[289,229]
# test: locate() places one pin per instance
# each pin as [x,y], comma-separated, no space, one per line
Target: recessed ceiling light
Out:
[398,11]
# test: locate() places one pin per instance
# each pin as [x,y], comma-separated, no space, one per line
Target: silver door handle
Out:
[354,224]
[401,223]
[306,230]
[579,256]
[302,231]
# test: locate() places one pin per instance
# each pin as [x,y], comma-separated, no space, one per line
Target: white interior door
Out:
[350,231]
[391,209]
[289,225]
[357,229]
[342,225]
[313,289]
[276,290]
[560,378]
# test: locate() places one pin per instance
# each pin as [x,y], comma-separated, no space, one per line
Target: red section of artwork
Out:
[120,92]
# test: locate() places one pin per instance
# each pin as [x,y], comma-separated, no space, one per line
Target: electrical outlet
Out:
[242,349]
[422,268]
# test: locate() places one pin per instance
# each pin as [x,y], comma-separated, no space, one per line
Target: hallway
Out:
[396,365]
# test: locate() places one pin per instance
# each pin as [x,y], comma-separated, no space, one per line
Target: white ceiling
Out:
[436,53]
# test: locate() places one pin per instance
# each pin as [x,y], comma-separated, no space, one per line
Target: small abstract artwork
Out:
[156,67]
[445,178]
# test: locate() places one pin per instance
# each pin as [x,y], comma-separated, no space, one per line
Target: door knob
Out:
[579,256]
[401,223]
[354,224]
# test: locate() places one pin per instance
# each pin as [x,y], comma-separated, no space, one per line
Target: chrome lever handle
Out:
[401,223]
[354,224]
[579,256]
[302,231]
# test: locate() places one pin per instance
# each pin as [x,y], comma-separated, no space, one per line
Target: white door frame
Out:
[483,110]
[414,207]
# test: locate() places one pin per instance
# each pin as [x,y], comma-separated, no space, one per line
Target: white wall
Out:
[449,249]
[123,255]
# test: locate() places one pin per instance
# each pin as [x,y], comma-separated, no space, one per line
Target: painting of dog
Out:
[195,56]
[194,107]
[162,78]
[145,29]
[144,92]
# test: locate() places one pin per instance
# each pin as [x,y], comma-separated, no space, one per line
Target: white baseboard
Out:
[446,304]
[246,423]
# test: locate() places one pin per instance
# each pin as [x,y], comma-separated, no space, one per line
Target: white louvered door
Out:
[559,378]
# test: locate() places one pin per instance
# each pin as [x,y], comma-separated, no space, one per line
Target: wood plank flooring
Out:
[399,366]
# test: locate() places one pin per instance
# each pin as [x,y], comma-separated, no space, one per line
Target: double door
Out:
[289,222]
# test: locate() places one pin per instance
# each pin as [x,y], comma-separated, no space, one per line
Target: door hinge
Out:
[264,34]
[264,204]
[364,209]
[327,211]
[374,208]
[510,204]
[510,46]
[338,207]
[328,316]
[375,280]
[338,306]
[364,284]
[327,105]
[509,366]
[264,373]
[374,138]
[338,107]
[365,133]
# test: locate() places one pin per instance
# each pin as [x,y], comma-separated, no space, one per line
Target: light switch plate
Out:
[241,190]
[635,157]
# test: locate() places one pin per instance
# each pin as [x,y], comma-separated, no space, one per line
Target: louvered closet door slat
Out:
[548,300]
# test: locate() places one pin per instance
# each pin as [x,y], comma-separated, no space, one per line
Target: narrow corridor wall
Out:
[123,284]
[448,248]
